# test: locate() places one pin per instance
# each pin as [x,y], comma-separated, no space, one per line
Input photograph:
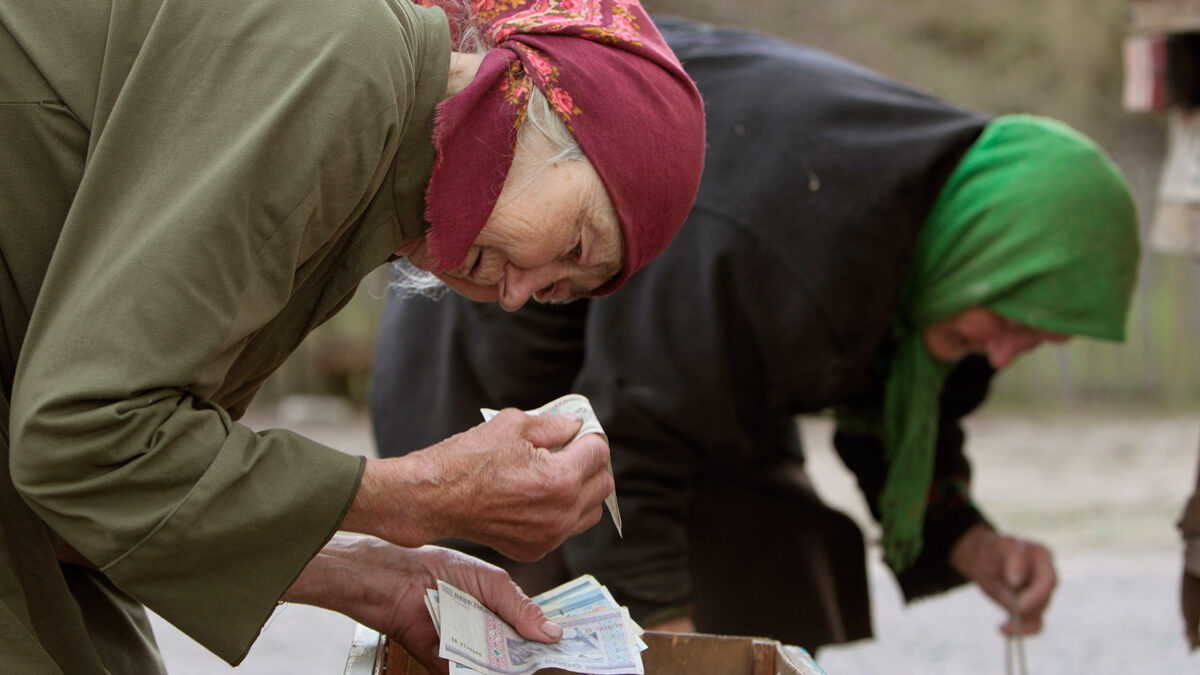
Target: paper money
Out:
[581,596]
[473,638]
[579,405]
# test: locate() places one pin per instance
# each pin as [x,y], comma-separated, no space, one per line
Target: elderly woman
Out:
[188,189]
[856,245]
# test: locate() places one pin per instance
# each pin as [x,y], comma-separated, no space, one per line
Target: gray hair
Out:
[541,123]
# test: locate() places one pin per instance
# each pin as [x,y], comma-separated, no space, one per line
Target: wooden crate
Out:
[667,654]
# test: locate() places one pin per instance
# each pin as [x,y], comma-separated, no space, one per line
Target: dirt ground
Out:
[1102,488]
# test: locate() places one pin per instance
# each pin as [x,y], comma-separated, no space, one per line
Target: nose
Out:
[520,284]
[1002,350]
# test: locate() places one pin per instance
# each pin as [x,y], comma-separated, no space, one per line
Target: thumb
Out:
[552,431]
[534,625]
[524,614]
[590,454]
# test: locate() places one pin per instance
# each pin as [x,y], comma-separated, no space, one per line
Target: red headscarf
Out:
[607,72]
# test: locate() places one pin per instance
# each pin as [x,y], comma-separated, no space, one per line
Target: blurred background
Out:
[1088,447]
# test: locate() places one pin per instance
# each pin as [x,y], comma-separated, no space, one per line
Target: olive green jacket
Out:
[187,188]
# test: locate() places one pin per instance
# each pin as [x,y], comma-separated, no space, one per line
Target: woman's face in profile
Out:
[553,236]
[979,330]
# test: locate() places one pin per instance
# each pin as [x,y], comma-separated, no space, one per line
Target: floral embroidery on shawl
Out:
[502,19]
[607,73]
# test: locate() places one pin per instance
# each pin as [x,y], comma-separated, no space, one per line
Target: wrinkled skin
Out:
[498,483]
[382,586]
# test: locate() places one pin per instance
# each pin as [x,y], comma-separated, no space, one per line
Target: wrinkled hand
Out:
[1189,596]
[1012,572]
[497,483]
[382,586]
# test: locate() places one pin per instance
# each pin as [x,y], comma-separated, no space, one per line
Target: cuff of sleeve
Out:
[931,573]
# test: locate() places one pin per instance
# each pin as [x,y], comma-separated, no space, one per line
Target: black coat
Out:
[776,299]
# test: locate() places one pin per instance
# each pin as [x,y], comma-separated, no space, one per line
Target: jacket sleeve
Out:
[950,511]
[242,139]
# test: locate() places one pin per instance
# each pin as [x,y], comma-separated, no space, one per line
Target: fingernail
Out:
[552,630]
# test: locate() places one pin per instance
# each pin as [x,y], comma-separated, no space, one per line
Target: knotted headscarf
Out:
[607,72]
[1035,224]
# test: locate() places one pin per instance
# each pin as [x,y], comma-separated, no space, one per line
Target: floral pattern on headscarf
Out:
[609,75]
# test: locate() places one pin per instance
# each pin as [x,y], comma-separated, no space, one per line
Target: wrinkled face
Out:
[982,331]
[553,236]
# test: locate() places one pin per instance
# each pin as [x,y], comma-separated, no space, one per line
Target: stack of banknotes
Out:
[577,404]
[598,635]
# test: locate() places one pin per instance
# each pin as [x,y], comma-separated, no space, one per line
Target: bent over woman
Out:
[187,190]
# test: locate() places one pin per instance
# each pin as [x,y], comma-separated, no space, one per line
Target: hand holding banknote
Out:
[501,484]
[383,586]
[579,406]
[598,635]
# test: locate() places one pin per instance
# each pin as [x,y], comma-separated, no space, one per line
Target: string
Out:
[1015,643]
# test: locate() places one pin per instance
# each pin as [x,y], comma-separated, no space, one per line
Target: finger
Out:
[551,431]
[590,502]
[1029,626]
[500,594]
[1041,583]
[429,660]
[587,520]
[588,455]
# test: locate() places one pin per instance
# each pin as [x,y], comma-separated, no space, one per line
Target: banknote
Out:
[581,596]
[431,604]
[577,585]
[579,405]
[601,643]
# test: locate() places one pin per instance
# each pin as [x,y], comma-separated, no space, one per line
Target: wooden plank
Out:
[367,652]
[764,657]
[691,654]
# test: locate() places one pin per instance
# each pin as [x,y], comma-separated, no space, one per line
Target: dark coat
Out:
[777,298]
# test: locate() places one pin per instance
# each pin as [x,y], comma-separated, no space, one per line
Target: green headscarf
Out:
[1035,224]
